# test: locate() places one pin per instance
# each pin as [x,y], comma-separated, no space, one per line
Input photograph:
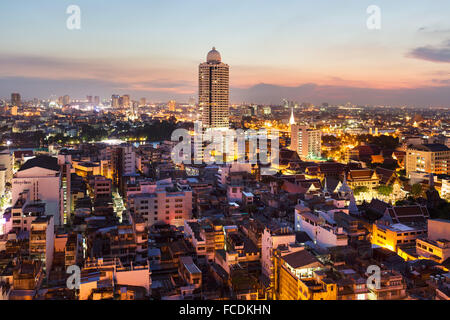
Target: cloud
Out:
[132,71]
[432,53]
[165,85]
[67,74]
[441,81]
[436,30]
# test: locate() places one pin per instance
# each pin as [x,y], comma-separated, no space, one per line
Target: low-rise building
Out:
[391,236]
[297,277]
[391,287]
[323,232]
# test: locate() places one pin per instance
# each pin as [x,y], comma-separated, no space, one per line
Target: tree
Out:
[389,164]
[385,190]
[330,139]
[442,211]
[416,190]
[360,189]
[3,202]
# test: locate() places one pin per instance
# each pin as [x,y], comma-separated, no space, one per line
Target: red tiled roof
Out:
[361,174]
[409,214]
[385,174]
[293,188]
[378,206]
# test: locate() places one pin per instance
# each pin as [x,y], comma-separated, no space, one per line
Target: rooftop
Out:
[430,147]
[300,259]
[45,162]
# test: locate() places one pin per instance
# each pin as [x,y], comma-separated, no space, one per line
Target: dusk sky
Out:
[312,51]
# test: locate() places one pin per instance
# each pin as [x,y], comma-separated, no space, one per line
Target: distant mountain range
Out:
[310,92]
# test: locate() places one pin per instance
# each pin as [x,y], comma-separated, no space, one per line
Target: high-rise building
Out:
[172,105]
[65,100]
[123,164]
[115,101]
[429,158]
[96,100]
[126,103]
[214,91]
[142,102]
[306,142]
[15,99]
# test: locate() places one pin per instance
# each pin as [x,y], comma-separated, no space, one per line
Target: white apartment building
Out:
[306,142]
[122,159]
[97,272]
[320,228]
[274,236]
[41,177]
[163,201]
[129,160]
[224,171]
[24,212]
[429,158]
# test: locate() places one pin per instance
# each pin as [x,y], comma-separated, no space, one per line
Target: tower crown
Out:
[214,56]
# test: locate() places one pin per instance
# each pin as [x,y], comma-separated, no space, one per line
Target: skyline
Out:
[315,53]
